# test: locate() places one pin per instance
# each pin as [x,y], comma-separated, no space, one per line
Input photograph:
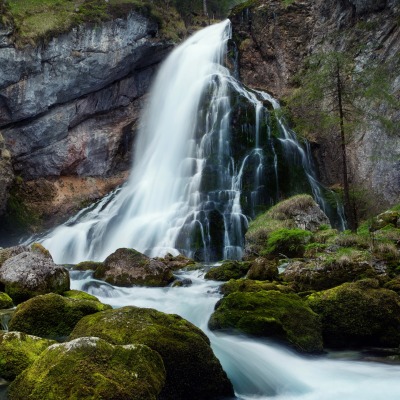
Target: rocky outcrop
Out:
[274,39]
[70,108]
[6,174]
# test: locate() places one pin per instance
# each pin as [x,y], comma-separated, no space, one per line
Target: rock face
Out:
[70,108]
[193,372]
[91,368]
[29,274]
[274,40]
[6,174]
[127,267]
[52,315]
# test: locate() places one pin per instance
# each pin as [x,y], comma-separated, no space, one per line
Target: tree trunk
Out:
[346,190]
[205,8]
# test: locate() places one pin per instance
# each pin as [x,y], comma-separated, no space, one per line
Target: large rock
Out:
[52,315]
[193,372]
[271,314]
[9,252]
[18,351]
[90,368]
[228,270]
[127,267]
[29,274]
[263,269]
[358,314]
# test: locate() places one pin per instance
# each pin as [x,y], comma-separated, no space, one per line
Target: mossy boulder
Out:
[271,314]
[320,274]
[177,262]
[393,284]
[18,351]
[88,265]
[287,242]
[79,295]
[390,217]
[90,368]
[249,285]
[5,301]
[228,270]
[297,212]
[52,315]
[193,372]
[128,267]
[263,269]
[32,273]
[358,314]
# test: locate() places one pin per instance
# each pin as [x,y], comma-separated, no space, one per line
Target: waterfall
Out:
[206,161]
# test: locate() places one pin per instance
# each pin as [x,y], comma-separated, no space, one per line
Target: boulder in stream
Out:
[52,315]
[193,371]
[31,273]
[128,267]
[90,368]
[5,301]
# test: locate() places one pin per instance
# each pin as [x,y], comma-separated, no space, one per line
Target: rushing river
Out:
[257,369]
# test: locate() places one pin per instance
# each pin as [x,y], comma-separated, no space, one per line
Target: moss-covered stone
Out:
[287,242]
[9,252]
[40,249]
[88,265]
[177,262]
[249,285]
[228,270]
[18,351]
[393,284]
[263,269]
[5,301]
[323,274]
[389,217]
[358,314]
[193,372]
[271,314]
[128,267]
[79,295]
[52,315]
[297,212]
[90,368]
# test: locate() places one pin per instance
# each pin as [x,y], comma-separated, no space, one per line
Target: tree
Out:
[335,95]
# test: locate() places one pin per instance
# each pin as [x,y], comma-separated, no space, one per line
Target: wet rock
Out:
[228,270]
[29,274]
[270,314]
[177,262]
[358,314]
[263,269]
[128,267]
[9,252]
[193,372]
[52,315]
[91,368]
[18,351]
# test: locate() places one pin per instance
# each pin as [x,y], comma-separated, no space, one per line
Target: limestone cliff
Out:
[69,109]
[274,39]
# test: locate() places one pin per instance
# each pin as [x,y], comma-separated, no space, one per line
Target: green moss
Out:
[52,315]
[228,270]
[91,368]
[358,314]
[249,285]
[88,265]
[5,301]
[290,242]
[271,314]
[192,369]
[38,248]
[79,295]
[18,351]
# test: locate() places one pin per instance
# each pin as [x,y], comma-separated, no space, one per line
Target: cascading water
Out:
[206,160]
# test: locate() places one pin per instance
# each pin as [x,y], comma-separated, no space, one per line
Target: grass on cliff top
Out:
[37,20]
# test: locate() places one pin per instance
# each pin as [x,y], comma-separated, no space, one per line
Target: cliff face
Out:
[69,109]
[274,40]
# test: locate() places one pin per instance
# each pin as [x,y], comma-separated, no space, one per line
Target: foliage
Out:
[289,242]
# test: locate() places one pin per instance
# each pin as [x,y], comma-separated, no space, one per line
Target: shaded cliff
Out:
[275,38]
[69,109]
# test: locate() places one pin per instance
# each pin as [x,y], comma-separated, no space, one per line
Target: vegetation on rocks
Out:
[90,368]
[193,372]
[270,314]
[5,301]
[18,351]
[228,270]
[52,315]
[358,314]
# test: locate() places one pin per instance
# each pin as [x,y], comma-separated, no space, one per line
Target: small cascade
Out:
[211,154]
[5,316]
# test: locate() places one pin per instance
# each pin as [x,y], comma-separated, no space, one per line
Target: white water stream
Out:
[257,369]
